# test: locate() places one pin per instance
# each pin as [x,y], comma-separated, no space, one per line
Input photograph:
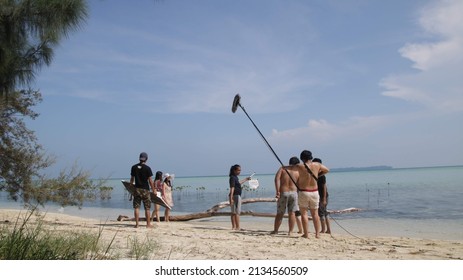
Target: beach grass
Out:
[30,239]
[141,250]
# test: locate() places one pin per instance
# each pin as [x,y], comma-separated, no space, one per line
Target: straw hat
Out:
[167,175]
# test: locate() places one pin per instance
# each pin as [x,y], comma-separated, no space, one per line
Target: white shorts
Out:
[309,200]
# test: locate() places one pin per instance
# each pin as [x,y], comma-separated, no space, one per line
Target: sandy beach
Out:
[214,240]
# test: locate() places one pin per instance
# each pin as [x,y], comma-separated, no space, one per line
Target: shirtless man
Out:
[308,196]
[286,193]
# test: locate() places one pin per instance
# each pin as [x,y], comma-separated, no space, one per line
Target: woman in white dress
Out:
[167,195]
[158,184]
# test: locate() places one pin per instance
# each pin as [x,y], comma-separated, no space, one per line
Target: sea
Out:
[425,202]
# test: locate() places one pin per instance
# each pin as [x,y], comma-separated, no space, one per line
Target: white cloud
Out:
[443,18]
[323,131]
[438,84]
[431,56]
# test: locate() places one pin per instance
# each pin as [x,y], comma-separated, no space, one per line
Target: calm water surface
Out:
[430,197]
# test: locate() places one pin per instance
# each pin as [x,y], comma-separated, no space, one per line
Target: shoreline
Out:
[212,239]
[441,229]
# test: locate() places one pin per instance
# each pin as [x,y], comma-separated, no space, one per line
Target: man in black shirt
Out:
[140,176]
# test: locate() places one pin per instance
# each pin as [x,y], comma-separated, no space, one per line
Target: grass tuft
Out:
[31,239]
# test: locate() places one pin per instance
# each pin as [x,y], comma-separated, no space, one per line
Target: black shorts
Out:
[322,212]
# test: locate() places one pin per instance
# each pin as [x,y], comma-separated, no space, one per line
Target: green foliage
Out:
[34,239]
[31,241]
[29,30]
[247,188]
[141,250]
[70,188]
[181,188]
[20,156]
[105,192]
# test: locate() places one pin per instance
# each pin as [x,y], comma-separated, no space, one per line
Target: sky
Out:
[358,83]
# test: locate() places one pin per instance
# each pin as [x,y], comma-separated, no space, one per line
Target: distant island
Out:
[368,168]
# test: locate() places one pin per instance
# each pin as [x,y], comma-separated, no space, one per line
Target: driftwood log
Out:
[213,211]
[224,204]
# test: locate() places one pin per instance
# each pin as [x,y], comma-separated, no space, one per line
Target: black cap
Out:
[143,156]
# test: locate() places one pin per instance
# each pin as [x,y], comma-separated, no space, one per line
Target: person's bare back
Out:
[286,180]
[308,181]
[308,197]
